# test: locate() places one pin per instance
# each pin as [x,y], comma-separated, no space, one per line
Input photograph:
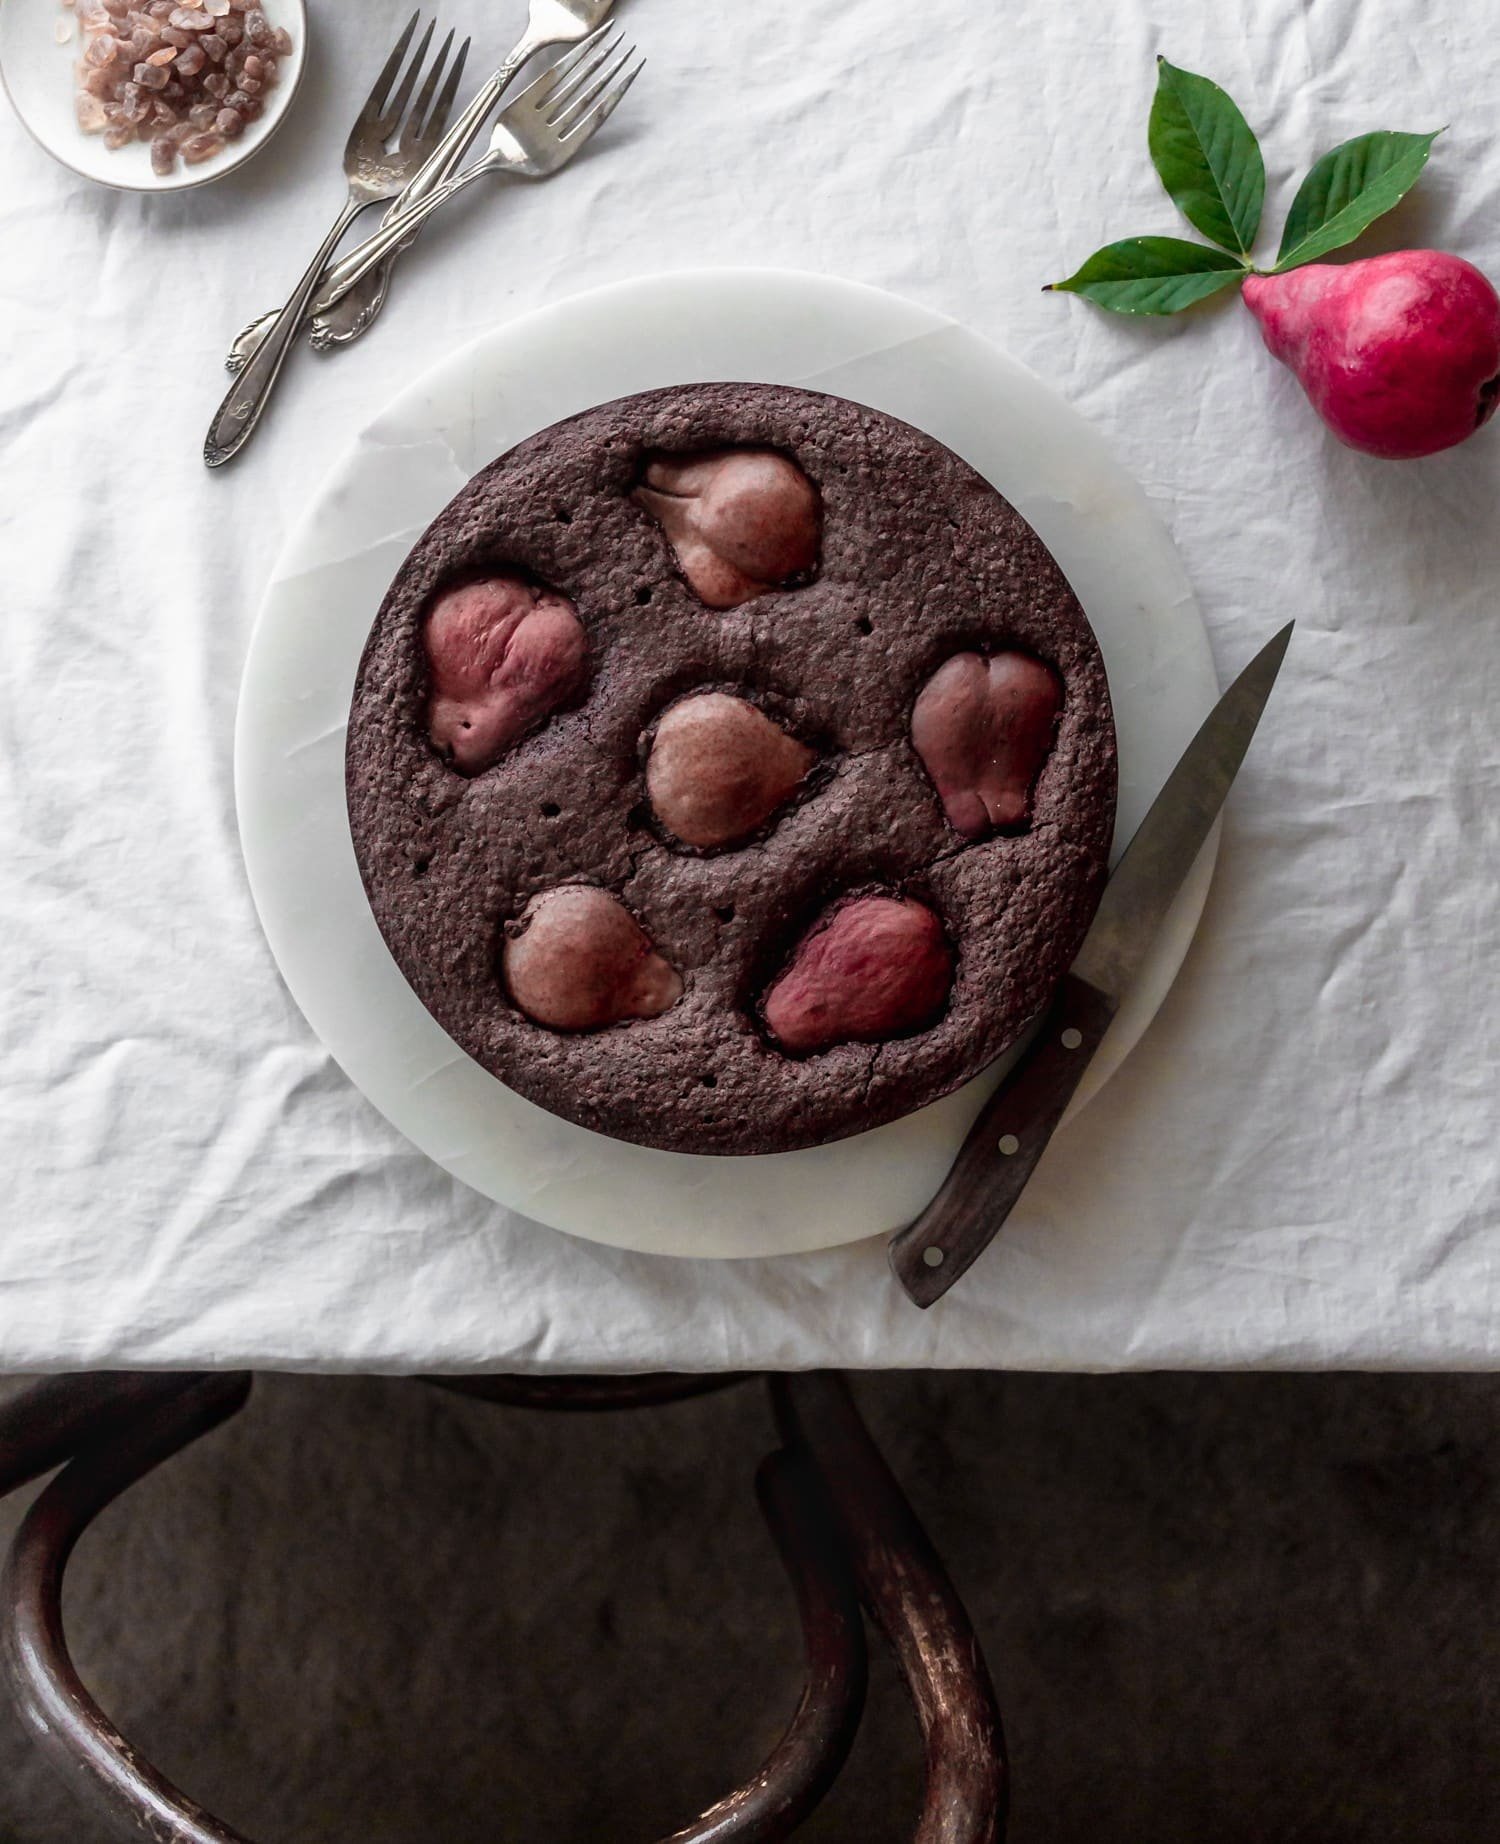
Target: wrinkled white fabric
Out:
[1296,1167]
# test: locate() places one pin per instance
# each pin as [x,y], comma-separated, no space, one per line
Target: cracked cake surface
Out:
[918,560]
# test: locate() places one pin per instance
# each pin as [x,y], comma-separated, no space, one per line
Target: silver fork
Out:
[374,176]
[550,22]
[335,313]
[549,122]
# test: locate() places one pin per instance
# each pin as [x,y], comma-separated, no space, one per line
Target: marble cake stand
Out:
[748,325]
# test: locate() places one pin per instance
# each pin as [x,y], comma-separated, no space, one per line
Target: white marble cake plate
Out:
[762,326]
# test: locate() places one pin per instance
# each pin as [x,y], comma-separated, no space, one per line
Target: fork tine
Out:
[395,109]
[376,102]
[433,127]
[537,91]
[578,108]
[602,110]
[412,128]
[551,105]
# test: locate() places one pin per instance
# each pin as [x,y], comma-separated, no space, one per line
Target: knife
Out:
[1011,1133]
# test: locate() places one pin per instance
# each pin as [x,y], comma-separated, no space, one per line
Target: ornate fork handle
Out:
[241,410]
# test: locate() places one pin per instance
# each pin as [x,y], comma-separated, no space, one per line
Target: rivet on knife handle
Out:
[997,1159]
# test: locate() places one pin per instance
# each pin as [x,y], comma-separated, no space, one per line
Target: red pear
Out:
[741,520]
[983,728]
[1399,354]
[719,768]
[578,960]
[870,969]
[502,654]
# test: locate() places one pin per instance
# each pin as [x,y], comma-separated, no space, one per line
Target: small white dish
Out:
[37,72]
[764,326]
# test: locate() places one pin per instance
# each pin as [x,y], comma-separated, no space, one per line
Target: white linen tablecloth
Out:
[1297,1167]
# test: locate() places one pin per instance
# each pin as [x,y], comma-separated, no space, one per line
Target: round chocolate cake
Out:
[731,769]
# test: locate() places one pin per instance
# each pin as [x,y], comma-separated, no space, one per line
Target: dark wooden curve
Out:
[643,1391]
[46,1424]
[907,1592]
[833,1507]
[807,1760]
[63,1718]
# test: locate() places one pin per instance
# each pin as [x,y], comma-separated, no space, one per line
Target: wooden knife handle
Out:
[1004,1144]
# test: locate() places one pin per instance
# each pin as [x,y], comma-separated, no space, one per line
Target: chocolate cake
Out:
[731,769]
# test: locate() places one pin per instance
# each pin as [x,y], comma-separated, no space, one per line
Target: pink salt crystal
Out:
[253,67]
[230,123]
[216,9]
[91,116]
[186,21]
[257,28]
[231,30]
[191,61]
[200,147]
[152,76]
[179,41]
[215,46]
[163,155]
[117,134]
[202,115]
[252,86]
[217,84]
[100,83]
[101,49]
[281,42]
[162,9]
[117,9]
[164,56]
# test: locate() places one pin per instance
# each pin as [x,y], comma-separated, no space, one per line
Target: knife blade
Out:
[1006,1141]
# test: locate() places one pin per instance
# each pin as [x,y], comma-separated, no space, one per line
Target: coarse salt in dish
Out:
[185,76]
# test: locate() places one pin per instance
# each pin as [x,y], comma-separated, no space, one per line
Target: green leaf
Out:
[1208,159]
[1152,275]
[1347,191]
